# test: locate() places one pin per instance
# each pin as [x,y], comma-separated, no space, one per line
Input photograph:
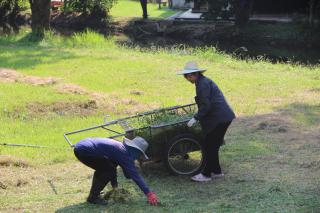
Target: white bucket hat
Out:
[190,67]
[138,143]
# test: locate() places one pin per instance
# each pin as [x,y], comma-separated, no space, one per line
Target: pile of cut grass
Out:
[120,195]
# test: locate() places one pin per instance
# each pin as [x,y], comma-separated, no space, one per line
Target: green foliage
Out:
[90,7]
[87,38]
[165,117]
[159,117]
[10,8]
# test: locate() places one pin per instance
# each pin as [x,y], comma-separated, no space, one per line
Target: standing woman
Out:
[214,114]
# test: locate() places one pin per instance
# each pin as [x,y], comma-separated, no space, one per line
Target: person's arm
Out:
[130,170]
[204,100]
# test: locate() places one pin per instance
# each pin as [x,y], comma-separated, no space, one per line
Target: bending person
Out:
[104,155]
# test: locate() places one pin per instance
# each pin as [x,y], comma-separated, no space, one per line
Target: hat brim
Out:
[183,72]
[128,143]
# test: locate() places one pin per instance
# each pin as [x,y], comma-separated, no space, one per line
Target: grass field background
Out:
[271,159]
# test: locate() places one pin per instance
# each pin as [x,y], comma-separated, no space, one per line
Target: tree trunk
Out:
[40,18]
[311,6]
[243,10]
[312,10]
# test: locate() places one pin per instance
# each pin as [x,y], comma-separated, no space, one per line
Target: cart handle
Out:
[117,121]
[103,126]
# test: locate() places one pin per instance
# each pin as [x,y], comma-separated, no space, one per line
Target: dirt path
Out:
[96,102]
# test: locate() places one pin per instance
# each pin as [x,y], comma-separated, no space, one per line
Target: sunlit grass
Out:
[128,8]
[99,65]
[259,177]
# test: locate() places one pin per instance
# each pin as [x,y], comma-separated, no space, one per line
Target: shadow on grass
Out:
[32,38]
[283,121]
[30,55]
[81,207]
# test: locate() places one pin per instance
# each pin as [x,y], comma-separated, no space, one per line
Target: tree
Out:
[9,10]
[40,18]
[312,10]
[243,10]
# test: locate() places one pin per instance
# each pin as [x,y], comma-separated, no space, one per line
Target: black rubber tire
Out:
[175,141]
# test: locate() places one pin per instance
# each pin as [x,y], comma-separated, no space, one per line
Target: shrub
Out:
[97,8]
[9,9]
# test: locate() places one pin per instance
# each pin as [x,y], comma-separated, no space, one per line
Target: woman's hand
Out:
[191,122]
[153,199]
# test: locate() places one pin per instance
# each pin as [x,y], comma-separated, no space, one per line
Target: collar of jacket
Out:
[199,79]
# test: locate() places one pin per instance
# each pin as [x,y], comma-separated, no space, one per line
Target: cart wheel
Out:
[183,155]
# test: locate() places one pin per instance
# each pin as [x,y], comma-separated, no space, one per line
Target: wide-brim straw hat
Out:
[190,67]
[138,143]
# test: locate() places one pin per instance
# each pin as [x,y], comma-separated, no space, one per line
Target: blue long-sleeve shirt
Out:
[114,150]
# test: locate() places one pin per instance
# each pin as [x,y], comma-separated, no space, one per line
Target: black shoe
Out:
[99,181]
[97,201]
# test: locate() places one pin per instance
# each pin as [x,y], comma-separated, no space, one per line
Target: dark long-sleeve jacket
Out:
[212,105]
[115,151]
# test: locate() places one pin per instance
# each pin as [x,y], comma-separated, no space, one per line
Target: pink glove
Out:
[153,199]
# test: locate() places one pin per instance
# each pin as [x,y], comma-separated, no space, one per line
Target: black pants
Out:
[105,169]
[144,8]
[212,142]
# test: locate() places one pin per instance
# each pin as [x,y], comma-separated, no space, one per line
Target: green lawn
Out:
[271,159]
[127,8]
